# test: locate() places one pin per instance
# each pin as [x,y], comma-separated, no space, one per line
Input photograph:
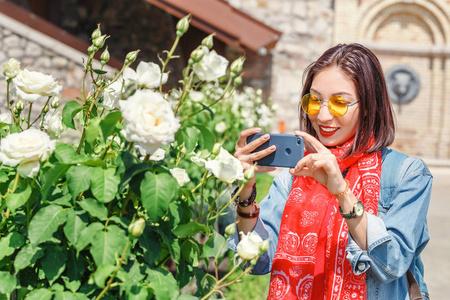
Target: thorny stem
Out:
[218,284]
[120,262]
[183,96]
[16,122]
[29,114]
[169,57]
[93,97]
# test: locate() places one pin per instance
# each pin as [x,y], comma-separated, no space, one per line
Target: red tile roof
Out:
[229,24]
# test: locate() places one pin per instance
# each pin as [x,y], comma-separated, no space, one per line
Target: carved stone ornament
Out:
[403,84]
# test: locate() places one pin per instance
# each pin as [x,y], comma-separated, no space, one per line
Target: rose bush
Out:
[129,208]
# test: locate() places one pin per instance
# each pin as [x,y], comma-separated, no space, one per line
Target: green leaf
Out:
[172,244]
[108,245]
[187,297]
[151,245]
[75,266]
[208,138]
[45,223]
[86,235]
[163,284]
[104,184]
[213,246]
[8,283]
[108,124]
[27,256]
[54,263]
[102,273]
[73,286]
[137,293]
[74,226]
[18,198]
[69,111]
[190,137]
[51,177]
[190,252]
[189,229]
[133,171]
[40,294]
[66,295]
[65,153]
[157,191]
[94,208]
[78,179]
[205,107]
[92,130]
[99,72]
[10,243]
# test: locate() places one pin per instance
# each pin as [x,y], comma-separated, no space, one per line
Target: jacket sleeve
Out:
[268,223]
[397,235]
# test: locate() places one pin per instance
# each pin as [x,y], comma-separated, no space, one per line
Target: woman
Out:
[331,234]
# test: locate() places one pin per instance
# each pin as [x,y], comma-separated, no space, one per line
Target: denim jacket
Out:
[395,237]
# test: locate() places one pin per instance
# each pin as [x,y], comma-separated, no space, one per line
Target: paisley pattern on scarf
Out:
[310,261]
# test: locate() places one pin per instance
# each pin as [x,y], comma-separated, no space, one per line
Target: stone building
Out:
[411,38]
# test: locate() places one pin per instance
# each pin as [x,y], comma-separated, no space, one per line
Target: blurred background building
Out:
[279,38]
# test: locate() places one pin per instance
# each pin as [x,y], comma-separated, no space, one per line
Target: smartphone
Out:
[290,149]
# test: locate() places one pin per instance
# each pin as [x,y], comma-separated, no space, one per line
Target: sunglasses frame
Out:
[328,104]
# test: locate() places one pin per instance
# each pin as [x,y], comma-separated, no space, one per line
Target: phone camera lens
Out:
[299,141]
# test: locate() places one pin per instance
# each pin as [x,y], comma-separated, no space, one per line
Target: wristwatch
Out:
[358,210]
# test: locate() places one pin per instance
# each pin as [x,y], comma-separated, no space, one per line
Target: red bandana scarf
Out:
[310,261]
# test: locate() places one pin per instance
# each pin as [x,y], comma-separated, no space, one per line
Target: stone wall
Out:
[38,52]
[307,32]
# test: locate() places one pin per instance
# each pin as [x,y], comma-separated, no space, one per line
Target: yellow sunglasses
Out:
[337,105]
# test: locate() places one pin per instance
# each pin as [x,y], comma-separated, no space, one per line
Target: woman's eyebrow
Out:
[334,94]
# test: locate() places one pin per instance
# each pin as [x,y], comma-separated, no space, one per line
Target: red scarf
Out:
[310,261]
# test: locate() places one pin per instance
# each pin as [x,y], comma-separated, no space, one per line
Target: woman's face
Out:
[332,130]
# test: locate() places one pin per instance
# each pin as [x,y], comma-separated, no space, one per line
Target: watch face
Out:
[359,209]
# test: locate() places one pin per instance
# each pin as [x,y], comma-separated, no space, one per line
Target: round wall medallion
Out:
[403,84]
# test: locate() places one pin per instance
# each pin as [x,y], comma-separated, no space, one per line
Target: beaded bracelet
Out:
[245,202]
[344,191]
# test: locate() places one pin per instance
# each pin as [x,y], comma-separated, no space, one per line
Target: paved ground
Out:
[436,256]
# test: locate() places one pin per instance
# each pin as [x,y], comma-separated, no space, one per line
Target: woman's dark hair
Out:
[375,114]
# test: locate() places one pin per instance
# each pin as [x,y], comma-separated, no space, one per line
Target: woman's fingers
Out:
[315,143]
[242,140]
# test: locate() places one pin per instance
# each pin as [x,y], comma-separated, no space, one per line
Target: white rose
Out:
[225,167]
[11,68]
[6,118]
[248,247]
[150,120]
[112,94]
[147,74]
[53,124]
[158,155]
[31,85]
[180,175]
[221,127]
[211,67]
[196,96]
[26,149]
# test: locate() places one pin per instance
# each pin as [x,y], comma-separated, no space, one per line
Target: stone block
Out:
[33,50]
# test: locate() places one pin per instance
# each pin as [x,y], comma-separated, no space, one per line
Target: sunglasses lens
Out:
[337,105]
[310,104]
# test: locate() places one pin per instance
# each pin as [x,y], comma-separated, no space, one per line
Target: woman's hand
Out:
[322,166]
[243,151]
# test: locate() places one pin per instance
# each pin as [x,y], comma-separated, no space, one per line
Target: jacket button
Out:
[361,266]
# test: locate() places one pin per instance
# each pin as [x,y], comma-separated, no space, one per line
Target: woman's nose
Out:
[324,112]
